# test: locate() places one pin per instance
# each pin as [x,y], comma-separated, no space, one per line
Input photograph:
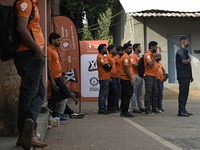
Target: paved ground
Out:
[112,132]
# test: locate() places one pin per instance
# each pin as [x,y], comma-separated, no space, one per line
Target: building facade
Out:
[165,27]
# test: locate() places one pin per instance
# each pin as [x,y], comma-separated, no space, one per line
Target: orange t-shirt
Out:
[148,57]
[23,9]
[103,74]
[111,60]
[126,61]
[52,55]
[135,59]
[118,65]
[160,71]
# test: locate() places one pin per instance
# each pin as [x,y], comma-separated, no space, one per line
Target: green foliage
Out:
[92,9]
[103,30]
[104,23]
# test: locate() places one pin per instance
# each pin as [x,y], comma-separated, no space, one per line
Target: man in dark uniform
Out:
[184,75]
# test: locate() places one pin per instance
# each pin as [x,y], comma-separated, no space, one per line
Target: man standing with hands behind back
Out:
[184,75]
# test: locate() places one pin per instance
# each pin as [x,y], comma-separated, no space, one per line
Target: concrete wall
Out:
[10,81]
[158,29]
[9,92]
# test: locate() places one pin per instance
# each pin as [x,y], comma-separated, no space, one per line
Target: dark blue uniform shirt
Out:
[183,71]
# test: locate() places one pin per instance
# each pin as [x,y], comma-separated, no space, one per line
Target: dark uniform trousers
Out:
[32,91]
[183,93]
[126,94]
[151,89]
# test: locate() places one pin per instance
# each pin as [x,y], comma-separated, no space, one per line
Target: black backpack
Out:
[9,39]
[141,66]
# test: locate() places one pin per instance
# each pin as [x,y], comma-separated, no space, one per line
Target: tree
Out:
[103,29]
[104,24]
[77,9]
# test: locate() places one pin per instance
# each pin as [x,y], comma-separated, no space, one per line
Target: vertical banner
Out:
[68,51]
[89,72]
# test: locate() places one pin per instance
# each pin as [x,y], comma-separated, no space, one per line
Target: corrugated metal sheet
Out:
[166,14]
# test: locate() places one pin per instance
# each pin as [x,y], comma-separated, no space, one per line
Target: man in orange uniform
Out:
[127,81]
[138,81]
[112,96]
[104,69]
[120,52]
[160,76]
[55,74]
[29,63]
[150,73]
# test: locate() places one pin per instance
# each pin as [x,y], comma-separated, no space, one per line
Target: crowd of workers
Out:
[119,75]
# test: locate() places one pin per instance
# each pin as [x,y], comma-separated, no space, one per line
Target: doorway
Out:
[173,46]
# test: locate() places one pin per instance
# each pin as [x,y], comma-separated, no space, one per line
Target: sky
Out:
[168,5]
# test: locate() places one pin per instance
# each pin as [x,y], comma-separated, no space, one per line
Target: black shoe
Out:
[189,113]
[183,114]
[160,108]
[115,110]
[149,112]
[136,111]
[142,109]
[112,110]
[126,114]
[103,112]
[156,111]
[119,109]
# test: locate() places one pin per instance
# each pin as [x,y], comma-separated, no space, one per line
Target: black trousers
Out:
[184,85]
[68,110]
[63,92]
[55,106]
[57,96]
[151,91]
[126,94]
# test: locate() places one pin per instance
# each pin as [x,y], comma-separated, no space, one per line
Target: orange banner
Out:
[89,71]
[68,51]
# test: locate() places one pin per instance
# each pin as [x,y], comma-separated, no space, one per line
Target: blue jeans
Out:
[118,84]
[160,93]
[103,92]
[32,92]
[113,93]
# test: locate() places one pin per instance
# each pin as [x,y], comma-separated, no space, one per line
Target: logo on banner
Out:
[92,66]
[90,46]
[66,44]
[94,81]
[71,76]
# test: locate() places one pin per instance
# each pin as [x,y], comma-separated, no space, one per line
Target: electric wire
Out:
[102,21]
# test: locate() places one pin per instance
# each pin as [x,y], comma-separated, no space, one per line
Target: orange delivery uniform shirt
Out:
[148,57]
[135,59]
[102,73]
[24,9]
[118,65]
[160,71]
[111,60]
[52,55]
[126,61]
